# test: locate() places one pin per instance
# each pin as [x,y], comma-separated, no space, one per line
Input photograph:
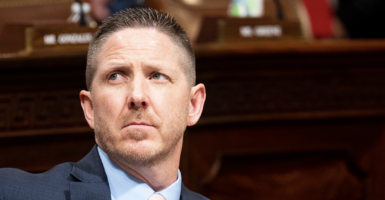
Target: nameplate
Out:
[247,30]
[253,29]
[58,38]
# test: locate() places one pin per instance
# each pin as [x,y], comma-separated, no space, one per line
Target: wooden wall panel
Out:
[289,121]
[41,153]
[313,176]
[41,121]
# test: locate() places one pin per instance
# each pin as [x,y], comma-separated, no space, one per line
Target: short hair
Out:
[140,18]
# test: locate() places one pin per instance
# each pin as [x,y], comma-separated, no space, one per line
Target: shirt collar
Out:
[125,186]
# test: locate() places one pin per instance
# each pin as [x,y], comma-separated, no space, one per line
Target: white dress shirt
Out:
[125,186]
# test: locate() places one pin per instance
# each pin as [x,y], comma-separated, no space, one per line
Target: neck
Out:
[160,175]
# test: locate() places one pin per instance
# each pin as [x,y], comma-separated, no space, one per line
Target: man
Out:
[140,76]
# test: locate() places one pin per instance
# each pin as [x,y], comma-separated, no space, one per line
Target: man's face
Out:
[140,96]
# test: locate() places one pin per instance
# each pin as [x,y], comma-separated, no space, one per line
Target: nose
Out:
[138,103]
[138,97]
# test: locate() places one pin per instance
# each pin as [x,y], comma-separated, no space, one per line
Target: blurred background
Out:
[295,93]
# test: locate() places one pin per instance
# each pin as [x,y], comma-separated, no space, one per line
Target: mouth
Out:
[138,124]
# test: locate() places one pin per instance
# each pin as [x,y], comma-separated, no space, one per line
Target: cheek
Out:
[170,103]
[109,104]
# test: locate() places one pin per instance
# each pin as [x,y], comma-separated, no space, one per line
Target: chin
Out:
[139,153]
[138,147]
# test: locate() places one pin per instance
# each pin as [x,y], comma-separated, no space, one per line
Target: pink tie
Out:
[156,197]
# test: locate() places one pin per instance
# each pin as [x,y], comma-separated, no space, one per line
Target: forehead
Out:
[146,45]
[140,40]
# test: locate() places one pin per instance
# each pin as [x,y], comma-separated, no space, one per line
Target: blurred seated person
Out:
[346,18]
[328,18]
[101,9]
[362,18]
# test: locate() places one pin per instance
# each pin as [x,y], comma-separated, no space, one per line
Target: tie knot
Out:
[156,197]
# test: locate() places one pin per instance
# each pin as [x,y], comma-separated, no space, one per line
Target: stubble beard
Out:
[143,155]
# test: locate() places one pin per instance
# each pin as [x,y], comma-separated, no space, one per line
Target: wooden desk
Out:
[282,120]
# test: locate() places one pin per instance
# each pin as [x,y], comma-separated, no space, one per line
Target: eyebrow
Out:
[116,67]
[148,66]
[112,66]
[155,66]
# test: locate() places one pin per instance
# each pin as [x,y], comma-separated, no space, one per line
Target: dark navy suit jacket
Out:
[85,179]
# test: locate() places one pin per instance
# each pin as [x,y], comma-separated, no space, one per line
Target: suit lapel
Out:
[184,193]
[89,178]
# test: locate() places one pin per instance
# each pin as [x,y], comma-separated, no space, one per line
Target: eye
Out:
[114,77]
[158,76]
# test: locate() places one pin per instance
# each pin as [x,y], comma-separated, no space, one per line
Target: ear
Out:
[88,109]
[197,100]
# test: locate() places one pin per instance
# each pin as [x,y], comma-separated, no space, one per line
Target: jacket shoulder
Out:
[187,194]
[18,184]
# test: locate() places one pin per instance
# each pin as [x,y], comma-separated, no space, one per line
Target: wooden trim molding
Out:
[21,3]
